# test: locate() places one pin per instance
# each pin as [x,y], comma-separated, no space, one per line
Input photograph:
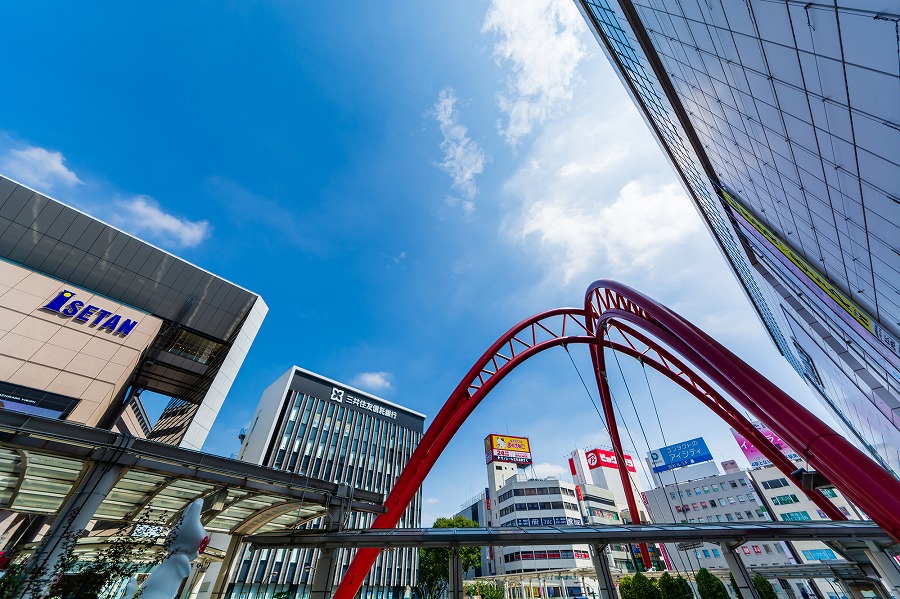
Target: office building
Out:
[599,467]
[727,497]
[782,121]
[90,317]
[318,427]
[517,501]
[598,506]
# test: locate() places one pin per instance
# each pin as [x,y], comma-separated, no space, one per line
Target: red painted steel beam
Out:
[724,410]
[814,440]
[599,362]
[857,476]
[520,342]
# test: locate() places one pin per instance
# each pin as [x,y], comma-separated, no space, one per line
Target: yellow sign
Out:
[818,279]
[508,443]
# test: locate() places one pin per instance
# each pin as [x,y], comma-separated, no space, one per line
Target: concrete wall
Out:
[47,351]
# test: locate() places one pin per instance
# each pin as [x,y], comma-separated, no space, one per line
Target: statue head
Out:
[189,534]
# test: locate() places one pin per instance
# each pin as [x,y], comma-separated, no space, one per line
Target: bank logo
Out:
[337,395]
[94,316]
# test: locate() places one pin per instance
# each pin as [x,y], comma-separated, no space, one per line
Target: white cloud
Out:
[432,500]
[372,381]
[542,40]
[142,216]
[464,159]
[545,469]
[38,168]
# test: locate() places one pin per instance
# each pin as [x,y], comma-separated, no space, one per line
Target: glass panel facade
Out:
[782,120]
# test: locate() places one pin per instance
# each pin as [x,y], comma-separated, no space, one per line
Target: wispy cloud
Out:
[41,169]
[142,216]
[584,200]
[464,159]
[432,501]
[45,171]
[541,40]
[372,381]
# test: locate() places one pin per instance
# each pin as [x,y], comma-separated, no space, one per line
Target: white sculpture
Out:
[187,541]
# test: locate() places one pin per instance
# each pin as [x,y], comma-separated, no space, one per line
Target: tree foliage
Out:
[709,586]
[669,588]
[488,589]
[625,584]
[643,588]
[764,587]
[123,555]
[434,562]
[686,591]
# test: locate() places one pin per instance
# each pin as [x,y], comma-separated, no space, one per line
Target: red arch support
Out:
[609,304]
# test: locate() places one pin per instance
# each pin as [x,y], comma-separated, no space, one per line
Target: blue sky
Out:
[401,183]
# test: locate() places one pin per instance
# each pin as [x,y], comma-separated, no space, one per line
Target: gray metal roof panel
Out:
[114,263]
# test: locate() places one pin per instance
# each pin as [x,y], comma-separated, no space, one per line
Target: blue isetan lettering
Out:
[73,308]
[100,316]
[86,313]
[111,323]
[126,326]
[59,301]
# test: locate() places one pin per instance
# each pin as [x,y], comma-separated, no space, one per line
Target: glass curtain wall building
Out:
[782,120]
[317,427]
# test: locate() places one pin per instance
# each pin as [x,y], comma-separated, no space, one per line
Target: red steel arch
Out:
[612,305]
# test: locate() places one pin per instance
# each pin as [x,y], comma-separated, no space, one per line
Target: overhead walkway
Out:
[868,548]
[848,530]
[92,478]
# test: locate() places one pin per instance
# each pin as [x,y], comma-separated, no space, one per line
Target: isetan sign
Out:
[94,316]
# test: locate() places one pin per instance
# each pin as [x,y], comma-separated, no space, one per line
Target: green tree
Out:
[734,586]
[625,584]
[686,591]
[488,589]
[764,587]
[434,562]
[669,587]
[709,586]
[643,588]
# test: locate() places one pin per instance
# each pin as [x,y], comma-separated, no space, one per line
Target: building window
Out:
[795,516]
[784,499]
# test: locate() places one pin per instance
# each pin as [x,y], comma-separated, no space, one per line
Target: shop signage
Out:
[597,458]
[503,448]
[679,455]
[754,455]
[94,316]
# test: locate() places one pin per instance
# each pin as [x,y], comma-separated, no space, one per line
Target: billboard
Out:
[753,455]
[597,458]
[679,455]
[504,448]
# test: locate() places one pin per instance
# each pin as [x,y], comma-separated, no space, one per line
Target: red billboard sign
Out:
[597,458]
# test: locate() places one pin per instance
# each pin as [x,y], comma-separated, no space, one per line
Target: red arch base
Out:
[611,305]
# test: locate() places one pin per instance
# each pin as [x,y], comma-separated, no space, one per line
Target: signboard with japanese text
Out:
[602,458]
[754,455]
[679,455]
[504,448]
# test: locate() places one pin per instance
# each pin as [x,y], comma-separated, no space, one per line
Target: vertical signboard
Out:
[753,455]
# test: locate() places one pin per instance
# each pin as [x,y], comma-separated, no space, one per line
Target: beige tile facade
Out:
[52,352]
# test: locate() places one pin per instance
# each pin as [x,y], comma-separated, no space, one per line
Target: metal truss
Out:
[610,305]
